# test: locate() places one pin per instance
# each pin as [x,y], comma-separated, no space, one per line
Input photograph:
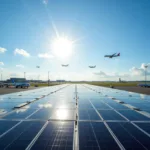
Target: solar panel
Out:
[133,115]
[114,105]
[100,105]
[56,135]
[94,135]
[129,136]
[88,114]
[145,126]
[142,105]
[20,113]
[20,136]
[56,120]
[43,113]
[110,115]
[5,125]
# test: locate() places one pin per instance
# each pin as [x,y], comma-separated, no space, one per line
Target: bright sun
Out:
[62,47]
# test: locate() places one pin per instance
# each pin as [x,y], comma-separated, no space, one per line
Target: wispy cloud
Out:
[45,2]
[21,52]
[137,71]
[101,73]
[45,55]
[20,66]
[143,65]
[133,73]
[1,63]
[111,75]
[141,70]
[2,50]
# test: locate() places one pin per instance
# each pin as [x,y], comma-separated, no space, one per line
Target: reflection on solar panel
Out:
[88,115]
[129,136]
[20,136]
[110,115]
[133,115]
[144,126]
[94,135]
[69,117]
[56,135]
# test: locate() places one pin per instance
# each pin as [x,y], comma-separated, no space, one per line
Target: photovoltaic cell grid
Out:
[74,117]
[46,112]
[123,119]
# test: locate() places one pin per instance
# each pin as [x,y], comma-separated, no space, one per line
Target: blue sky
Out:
[97,27]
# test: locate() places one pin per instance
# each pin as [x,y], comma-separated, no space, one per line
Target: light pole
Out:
[48,78]
[38,75]
[146,66]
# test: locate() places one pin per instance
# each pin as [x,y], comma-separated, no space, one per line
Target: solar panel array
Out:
[74,117]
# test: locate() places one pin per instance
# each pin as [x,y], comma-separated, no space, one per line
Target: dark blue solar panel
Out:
[11,105]
[88,114]
[56,135]
[43,113]
[133,115]
[142,106]
[20,136]
[147,110]
[130,136]
[144,126]
[95,136]
[20,114]
[85,106]
[115,105]
[5,125]
[100,105]
[110,115]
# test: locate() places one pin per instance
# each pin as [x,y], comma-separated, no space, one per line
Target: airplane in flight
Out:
[37,66]
[92,66]
[65,65]
[113,55]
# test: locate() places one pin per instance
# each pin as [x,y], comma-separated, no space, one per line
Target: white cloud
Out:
[45,55]
[21,52]
[1,63]
[20,66]
[101,73]
[140,71]
[45,2]
[112,76]
[2,50]
[143,65]
[137,71]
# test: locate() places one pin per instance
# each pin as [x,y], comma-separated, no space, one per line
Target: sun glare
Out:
[62,114]
[62,47]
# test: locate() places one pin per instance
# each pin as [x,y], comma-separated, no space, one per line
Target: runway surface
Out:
[73,117]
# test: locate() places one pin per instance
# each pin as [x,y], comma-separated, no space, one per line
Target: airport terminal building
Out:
[16,80]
